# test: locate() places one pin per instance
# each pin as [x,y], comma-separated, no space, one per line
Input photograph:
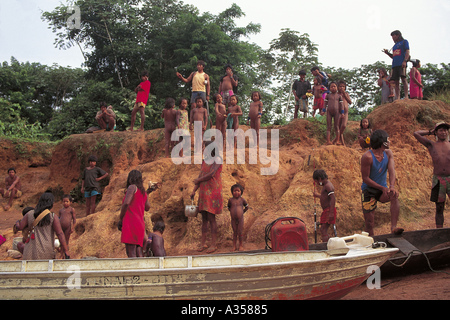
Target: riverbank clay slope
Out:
[288,193]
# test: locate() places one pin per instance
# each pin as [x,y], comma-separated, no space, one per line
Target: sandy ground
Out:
[425,286]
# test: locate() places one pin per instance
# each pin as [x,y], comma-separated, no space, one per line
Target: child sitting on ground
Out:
[327,202]
[237,206]
[365,131]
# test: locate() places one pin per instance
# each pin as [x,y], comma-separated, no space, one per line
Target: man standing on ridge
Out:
[440,154]
[400,56]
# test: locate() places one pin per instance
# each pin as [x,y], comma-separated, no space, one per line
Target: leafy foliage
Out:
[121,38]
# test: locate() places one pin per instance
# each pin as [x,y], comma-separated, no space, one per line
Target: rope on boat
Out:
[426,258]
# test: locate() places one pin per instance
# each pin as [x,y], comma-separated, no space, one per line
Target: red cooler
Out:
[289,234]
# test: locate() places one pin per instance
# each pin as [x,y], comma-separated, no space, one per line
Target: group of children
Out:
[330,99]
[227,116]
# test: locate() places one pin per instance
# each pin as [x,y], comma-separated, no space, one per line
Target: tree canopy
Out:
[119,39]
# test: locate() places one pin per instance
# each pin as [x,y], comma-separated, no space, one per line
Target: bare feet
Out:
[202,248]
[211,249]
[398,231]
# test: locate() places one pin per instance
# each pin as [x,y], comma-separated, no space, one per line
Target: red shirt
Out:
[142,96]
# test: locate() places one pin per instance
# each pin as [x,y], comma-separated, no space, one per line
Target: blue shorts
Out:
[196,94]
[88,194]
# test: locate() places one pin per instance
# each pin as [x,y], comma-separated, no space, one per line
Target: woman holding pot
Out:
[210,201]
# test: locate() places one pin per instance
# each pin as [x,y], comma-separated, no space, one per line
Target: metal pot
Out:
[191,210]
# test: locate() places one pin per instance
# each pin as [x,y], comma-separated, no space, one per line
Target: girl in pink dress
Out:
[134,204]
[210,201]
[415,81]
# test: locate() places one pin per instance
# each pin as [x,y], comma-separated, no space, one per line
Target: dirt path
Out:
[425,286]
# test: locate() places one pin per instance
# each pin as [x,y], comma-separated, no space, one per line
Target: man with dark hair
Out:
[200,83]
[300,88]
[375,164]
[400,56]
[440,155]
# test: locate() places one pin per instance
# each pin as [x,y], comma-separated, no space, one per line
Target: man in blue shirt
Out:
[400,56]
[375,165]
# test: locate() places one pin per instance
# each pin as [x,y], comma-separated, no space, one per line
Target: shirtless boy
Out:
[169,115]
[237,206]
[440,155]
[327,202]
[157,240]
[227,84]
[255,113]
[221,115]
[12,188]
[199,114]
[333,107]
[67,217]
[344,113]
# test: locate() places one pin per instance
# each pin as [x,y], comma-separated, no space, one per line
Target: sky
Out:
[349,33]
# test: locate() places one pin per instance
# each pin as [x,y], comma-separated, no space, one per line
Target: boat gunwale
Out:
[194,269]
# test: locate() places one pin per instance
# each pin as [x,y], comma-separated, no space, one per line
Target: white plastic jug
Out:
[357,240]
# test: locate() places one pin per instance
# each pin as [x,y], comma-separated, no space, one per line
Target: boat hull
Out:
[432,243]
[281,275]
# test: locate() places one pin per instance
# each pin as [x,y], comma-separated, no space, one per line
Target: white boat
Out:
[273,275]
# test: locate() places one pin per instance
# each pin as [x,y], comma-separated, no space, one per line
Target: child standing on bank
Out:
[334,108]
[415,81]
[234,112]
[90,184]
[255,113]
[237,206]
[386,89]
[67,217]
[183,121]
[169,115]
[344,116]
[143,91]
[318,90]
[327,202]
[221,115]
[199,114]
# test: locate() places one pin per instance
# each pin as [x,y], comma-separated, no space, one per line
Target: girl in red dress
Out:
[134,204]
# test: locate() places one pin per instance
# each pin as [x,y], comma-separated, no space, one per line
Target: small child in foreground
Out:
[237,206]
[67,217]
[327,202]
